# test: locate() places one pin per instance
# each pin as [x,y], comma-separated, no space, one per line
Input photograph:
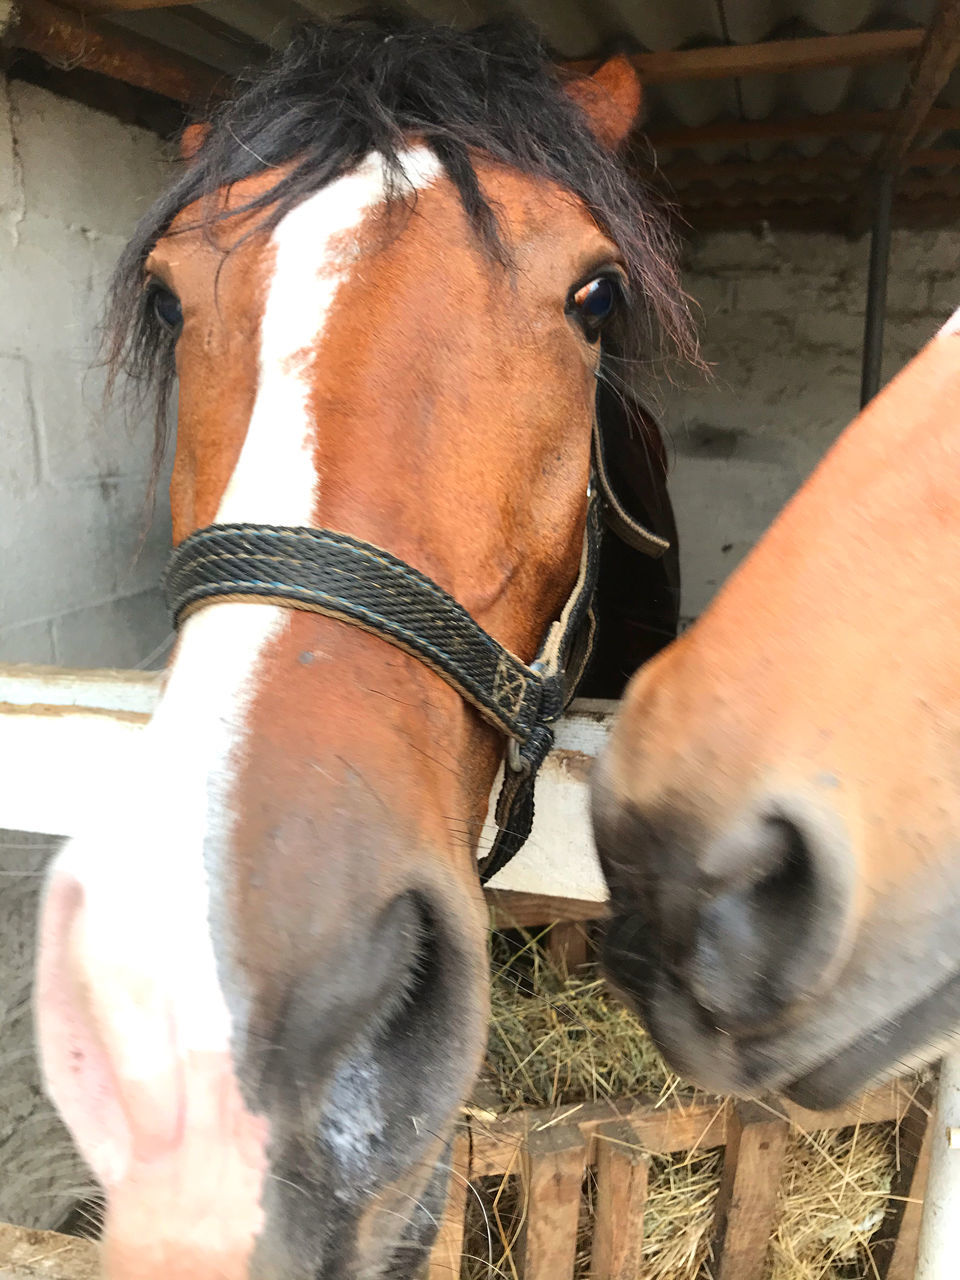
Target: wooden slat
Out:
[448,1246]
[747,1198]
[555,1165]
[834,124]
[776,191]
[568,946]
[46,1255]
[527,910]
[832,215]
[824,216]
[66,39]
[684,174]
[662,1130]
[898,1259]
[495,1145]
[622,1178]
[123,6]
[935,61]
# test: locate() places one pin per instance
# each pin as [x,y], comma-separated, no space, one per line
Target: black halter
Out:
[324,572]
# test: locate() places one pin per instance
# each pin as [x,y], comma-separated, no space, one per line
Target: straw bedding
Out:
[556,1039]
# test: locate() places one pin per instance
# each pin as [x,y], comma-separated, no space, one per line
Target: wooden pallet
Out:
[552,1151]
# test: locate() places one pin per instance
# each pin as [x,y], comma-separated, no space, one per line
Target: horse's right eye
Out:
[166,307]
[594,303]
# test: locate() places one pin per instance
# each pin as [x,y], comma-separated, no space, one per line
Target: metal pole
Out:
[939,1252]
[877,288]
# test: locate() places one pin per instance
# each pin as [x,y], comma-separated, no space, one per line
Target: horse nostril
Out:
[772,924]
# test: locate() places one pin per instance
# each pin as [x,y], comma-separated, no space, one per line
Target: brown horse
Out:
[385,282]
[778,812]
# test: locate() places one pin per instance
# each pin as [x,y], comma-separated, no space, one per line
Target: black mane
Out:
[342,89]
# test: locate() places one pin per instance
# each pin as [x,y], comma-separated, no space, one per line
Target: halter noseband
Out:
[320,571]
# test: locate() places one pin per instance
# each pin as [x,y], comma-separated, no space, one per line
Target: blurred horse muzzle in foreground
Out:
[778,812]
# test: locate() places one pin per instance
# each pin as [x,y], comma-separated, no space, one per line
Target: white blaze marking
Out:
[147,869]
[275,481]
[952,325]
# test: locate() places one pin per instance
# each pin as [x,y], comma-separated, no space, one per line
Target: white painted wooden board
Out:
[62,733]
[939,1249]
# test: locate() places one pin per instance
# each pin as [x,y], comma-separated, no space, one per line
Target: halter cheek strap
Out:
[321,571]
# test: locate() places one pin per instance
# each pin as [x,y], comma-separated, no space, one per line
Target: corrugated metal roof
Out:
[231,34]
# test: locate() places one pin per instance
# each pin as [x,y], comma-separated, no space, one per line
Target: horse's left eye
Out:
[166,307]
[594,303]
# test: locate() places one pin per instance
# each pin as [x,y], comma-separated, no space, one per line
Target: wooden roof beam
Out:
[62,37]
[669,66]
[68,40]
[931,69]
[701,195]
[106,7]
[684,173]
[814,215]
[770,57]
[936,60]
[714,62]
[830,124]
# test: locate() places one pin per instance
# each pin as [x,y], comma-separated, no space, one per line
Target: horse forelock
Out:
[343,90]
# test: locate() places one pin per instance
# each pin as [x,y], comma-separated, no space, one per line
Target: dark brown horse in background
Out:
[387,280]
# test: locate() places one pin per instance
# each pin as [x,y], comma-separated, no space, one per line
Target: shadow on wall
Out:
[783,317]
[77,587]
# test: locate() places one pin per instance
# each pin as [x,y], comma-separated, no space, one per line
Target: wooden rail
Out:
[65,736]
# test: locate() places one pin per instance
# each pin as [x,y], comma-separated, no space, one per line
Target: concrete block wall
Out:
[76,589]
[782,323]
[80,555]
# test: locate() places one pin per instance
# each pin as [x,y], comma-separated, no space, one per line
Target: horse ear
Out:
[192,139]
[610,97]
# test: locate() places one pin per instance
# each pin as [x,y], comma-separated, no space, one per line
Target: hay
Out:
[557,1039]
[833,1197]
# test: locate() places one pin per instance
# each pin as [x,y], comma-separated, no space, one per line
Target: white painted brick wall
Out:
[782,324]
[76,586]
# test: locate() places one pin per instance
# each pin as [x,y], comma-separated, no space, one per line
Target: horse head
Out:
[383,282]
[778,809]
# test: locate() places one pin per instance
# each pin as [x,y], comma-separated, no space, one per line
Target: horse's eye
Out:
[594,303]
[166,307]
